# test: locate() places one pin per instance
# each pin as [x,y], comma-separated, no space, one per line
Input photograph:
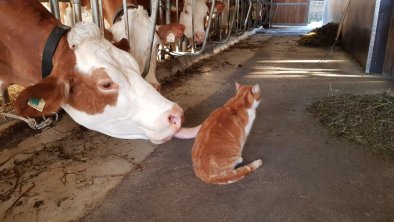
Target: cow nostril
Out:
[107,85]
[171,119]
[174,120]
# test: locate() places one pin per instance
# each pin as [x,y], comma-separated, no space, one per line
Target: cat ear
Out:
[237,85]
[256,89]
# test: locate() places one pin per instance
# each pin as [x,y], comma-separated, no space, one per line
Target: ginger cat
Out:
[218,146]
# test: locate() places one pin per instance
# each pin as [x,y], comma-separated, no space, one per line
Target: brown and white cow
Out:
[97,84]
[139,23]
[201,9]
[139,29]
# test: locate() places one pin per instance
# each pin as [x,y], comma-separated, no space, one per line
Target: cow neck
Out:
[113,9]
[119,11]
[50,47]
[64,61]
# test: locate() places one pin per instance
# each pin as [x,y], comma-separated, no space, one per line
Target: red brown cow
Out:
[97,84]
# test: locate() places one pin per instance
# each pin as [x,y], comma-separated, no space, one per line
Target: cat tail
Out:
[231,176]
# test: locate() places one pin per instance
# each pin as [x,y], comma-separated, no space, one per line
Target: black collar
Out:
[119,12]
[50,48]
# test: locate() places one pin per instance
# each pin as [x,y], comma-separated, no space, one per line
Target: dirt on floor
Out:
[59,174]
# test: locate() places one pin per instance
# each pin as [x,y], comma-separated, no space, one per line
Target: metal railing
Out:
[193,51]
[242,15]
[232,9]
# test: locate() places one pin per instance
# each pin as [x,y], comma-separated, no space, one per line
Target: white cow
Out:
[139,29]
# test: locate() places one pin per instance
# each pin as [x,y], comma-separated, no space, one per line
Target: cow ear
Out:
[41,99]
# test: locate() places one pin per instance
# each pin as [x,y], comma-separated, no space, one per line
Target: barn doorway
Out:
[297,12]
[316,9]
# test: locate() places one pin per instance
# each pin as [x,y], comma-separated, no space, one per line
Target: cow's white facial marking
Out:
[201,9]
[139,112]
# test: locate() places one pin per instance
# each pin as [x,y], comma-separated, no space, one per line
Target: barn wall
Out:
[389,56]
[333,11]
[290,14]
[380,36]
[365,30]
[357,26]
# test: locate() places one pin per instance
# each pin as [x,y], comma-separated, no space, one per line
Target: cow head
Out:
[201,10]
[100,87]
[139,43]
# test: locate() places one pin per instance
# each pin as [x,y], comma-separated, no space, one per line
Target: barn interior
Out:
[318,163]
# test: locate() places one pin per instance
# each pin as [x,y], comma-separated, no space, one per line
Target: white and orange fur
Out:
[218,146]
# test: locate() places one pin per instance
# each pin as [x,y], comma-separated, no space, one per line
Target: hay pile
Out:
[13,91]
[323,36]
[367,120]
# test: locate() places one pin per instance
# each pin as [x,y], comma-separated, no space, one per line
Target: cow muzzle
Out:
[175,117]
[199,37]
[172,121]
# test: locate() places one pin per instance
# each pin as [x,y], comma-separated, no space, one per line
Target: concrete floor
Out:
[306,175]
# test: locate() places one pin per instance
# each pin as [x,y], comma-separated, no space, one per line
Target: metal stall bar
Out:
[248,14]
[76,7]
[262,9]
[97,13]
[126,15]
[154,8]
[193,26]
[77,14]
[230,26]
[238,28]
[54,6]
[168,11]
[199,52]
[177,10]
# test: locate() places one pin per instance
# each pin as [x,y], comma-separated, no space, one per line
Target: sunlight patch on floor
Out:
[302,61]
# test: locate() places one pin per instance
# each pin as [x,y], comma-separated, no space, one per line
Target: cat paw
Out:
[257,163]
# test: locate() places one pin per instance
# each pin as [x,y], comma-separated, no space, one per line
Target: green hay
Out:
[367,120]
[323,36]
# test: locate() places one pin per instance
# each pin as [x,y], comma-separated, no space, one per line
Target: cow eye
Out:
[107,85]
[186,12]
